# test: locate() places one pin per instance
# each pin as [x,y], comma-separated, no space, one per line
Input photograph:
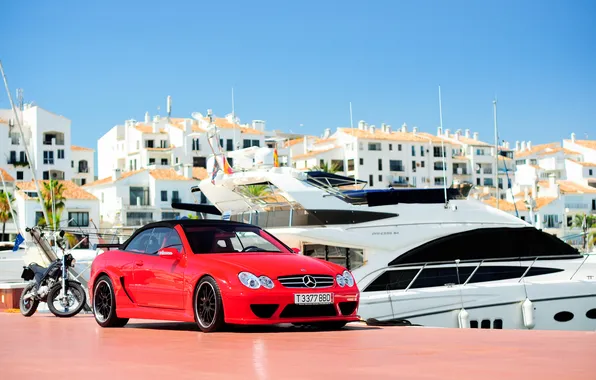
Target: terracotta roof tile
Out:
[167,175]
[81,148]
[222,122]
[586,164]
[535,150]
[313,153]
[570,187]
[106,180]
[549,151]
[520,205]
[144,128]
[199,173]
[7,177]
[71,190]
[590,144]
[420,137]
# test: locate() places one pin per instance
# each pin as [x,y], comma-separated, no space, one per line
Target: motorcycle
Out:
[65,297]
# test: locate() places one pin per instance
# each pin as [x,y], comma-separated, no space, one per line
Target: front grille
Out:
[263,310]
[306,311]
[297,281]
[347,308]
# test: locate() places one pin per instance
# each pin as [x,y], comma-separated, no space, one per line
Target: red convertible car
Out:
[217,272]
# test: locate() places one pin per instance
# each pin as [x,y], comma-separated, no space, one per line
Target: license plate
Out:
[313,298]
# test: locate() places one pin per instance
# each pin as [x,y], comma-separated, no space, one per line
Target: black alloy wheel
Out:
[208,306]
[104,304]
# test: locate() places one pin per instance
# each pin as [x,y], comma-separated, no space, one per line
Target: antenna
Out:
[20,103]
[234,120]
[169,106]
[444,154]
[496,151]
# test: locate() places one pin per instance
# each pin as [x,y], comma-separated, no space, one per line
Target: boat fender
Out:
[463,319]
[528,313]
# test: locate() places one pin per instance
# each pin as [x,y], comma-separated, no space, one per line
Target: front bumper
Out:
[263,306]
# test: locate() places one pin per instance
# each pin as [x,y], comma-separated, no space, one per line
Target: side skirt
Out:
[141,312]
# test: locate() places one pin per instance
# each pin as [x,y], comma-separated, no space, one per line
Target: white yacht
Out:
[428,257]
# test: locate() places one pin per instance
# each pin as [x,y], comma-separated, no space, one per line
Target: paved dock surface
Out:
[44,346]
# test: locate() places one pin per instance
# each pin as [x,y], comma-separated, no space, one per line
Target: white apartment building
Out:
[383,157]
[131,199]
[559,179]
[164,142]
[48,139]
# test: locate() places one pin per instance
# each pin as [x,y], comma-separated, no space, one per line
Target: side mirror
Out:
[296,250]
[169,253]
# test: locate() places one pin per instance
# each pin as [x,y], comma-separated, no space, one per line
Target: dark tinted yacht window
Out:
[433,277]
[488,243]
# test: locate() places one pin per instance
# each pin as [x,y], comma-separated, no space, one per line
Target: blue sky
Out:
[302,62]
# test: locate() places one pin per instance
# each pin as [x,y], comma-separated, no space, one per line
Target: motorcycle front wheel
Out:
[69,305]
[28,306]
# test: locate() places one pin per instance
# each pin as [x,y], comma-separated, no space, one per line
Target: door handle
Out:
[139,263]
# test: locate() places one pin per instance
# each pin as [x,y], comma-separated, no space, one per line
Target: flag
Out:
[215,170]
[17,242]
[275,158]
[227,168]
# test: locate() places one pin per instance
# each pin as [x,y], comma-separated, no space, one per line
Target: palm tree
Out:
[590,222]
[255,190]
[334,168]
[52,195]
[6,200]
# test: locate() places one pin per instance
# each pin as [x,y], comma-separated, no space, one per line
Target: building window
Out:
[396,166]
[175,197]
[421,164]
[590,172]
[374,146]
[151,161]
[195,144]
[46,175]
[421,151]
[48,157]
[399,147]
[164,161]
[229,144]
[380,164]
[169,215]
[60,154]
[439,181]
[139,196]
[148,143]
[199,162]
[362,161]
[83,166]
[164,196]
[413,151]
[339,165]
[380,178]
[19,175]
[350,164]
[38,217]
[370,180]
[438,152]
[390,146]
[78,219]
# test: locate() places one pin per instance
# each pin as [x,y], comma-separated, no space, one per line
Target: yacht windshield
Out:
[230,239]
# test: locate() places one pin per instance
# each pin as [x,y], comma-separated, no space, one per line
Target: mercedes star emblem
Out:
[309,281]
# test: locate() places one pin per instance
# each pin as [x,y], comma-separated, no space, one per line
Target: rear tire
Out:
[78,293]
[28,307]
[208,306]
[104,304]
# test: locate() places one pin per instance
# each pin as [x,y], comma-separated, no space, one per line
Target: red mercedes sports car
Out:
[216,272]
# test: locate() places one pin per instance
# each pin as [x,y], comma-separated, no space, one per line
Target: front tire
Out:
[104,304]
[75,291]
[208,306]
[28,307]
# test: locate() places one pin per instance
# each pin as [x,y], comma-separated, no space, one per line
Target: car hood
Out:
[277,264]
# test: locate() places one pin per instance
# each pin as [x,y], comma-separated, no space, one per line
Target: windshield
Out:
[230,239]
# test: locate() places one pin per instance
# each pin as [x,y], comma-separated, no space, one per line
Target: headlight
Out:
[349,279]
[341,281]
[253,282]
[266,282]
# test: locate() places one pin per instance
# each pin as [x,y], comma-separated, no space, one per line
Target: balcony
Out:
[17,162]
